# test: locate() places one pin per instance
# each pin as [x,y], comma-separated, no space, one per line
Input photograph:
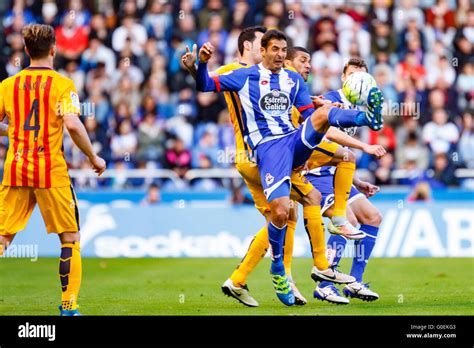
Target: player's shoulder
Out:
[333,96]
[231,67]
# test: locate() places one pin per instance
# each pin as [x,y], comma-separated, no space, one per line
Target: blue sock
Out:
[346,118]
[363,249]
[311,135]
[276,236]
[338,244]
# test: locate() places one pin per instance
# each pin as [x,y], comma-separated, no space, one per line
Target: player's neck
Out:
[274,71]
[42,63]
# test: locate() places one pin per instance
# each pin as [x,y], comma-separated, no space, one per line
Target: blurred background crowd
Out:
[124,57]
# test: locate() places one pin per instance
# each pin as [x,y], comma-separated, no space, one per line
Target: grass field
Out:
[420,286]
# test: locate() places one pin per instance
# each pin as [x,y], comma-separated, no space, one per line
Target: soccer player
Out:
[38,102]
[267,93]
[360,210]
[298,59]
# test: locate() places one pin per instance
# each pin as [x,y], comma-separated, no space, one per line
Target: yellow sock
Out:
[342,186]
[257,250]
[313,223]
[288,247]
[70,273]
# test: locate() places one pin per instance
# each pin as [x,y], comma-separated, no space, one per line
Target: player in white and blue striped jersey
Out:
[267,93]
[359,211]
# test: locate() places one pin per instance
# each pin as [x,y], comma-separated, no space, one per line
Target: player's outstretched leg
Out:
[70,273]
[370,219]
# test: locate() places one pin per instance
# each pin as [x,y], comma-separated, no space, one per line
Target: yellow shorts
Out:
[58,207]
[322,154]
[300,187]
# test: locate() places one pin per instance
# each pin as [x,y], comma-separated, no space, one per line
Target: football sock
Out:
[336,246]
[313,223]
[342,187]
[276,236]
[363,249]
[257,250]
[288,246]
[340,118]
[70,273]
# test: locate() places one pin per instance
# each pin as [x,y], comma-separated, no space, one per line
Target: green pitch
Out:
[192,287]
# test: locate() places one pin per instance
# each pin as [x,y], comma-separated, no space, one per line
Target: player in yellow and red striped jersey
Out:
[39,102]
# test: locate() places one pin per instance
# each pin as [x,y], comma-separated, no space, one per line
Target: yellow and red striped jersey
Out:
[34,100]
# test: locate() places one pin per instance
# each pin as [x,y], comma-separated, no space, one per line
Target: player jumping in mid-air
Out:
[38,102]
[360,210]
[267,93]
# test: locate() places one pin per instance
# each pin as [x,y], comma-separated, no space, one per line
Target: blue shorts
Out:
[277,158]
[325,185]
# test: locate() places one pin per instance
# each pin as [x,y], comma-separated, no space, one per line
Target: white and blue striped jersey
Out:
[336,97]
[267,99]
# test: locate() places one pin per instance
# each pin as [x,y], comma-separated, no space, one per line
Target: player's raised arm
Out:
[230,81]
[338,136]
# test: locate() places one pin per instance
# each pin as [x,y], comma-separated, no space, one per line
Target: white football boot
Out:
[360,291]
[241,294]
[330,294]
[332,275]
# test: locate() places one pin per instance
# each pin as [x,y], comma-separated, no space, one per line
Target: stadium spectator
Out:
[153,196]
[440,135]
[124,57]
[177,157]
[71,39]
[420,193]
[124,142]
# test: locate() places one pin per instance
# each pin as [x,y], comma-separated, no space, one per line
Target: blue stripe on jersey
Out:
[255,94]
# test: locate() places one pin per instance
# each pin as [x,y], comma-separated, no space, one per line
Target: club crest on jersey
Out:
[276,103]
[269,179]
[291,83]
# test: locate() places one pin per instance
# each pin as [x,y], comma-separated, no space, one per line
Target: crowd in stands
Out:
[124,58]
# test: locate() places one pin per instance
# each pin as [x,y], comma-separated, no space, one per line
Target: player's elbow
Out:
[73,123]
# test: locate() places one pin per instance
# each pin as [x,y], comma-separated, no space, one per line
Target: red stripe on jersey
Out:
[26,134]
[218,83]
[47,155]
[16,131]
[36,172]
[305,107]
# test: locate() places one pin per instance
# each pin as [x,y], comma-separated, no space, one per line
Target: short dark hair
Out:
[39,38]
[272,34]
[357,62]
[248,34]
[293,51]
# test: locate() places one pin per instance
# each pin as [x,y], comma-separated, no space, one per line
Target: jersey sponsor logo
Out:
[276,103]
[269,179]
[75,100]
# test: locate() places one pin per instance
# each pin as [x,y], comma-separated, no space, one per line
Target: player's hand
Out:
[338,105]
[375,150]
[319,101]
[367,188]
[205,52]
[98,164]
[189,58]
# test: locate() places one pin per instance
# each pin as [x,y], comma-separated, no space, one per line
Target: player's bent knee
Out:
[312,198]
[69,237]
[371,217]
